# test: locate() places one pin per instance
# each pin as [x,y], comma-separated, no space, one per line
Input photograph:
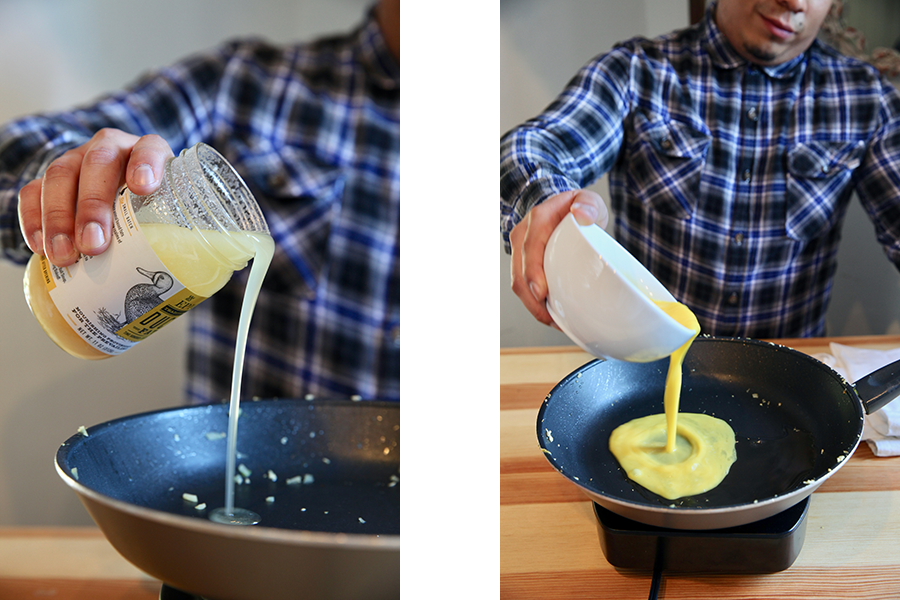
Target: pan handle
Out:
[879,387]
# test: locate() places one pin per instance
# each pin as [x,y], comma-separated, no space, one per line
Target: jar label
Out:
[118,298]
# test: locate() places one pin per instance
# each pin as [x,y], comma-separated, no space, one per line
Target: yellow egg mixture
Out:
[675,455]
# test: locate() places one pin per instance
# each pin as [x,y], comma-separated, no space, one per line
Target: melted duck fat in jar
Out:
[169,269]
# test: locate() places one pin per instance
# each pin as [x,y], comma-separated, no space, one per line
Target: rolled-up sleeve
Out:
[177,102]
[571,144]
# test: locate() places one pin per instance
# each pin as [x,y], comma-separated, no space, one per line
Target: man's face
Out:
[770,32]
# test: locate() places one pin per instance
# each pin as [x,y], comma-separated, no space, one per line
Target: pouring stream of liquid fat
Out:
[265,248]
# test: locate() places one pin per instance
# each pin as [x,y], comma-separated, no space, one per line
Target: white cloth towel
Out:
[882,428]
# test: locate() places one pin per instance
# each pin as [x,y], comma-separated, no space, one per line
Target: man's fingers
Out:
[59,191]
[588,208]
[529,239]
[30,216]
[71,213]
[541,222]
[520,286]
[147,164]
[102,172]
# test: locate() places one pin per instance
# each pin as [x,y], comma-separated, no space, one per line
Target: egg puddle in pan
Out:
[675,455]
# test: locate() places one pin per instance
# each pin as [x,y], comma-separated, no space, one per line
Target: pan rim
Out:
[656,512]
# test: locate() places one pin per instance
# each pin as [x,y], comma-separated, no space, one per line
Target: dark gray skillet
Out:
[336,537]
[795,420]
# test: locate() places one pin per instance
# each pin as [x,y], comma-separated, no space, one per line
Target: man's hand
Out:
[69,210]
[529,238]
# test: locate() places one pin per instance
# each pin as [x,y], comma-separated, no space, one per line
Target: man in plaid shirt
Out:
[314,130]
[732,148]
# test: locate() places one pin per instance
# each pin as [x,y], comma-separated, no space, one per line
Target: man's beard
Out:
[760,54]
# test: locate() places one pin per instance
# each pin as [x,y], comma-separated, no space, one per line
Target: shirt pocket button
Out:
[277,180]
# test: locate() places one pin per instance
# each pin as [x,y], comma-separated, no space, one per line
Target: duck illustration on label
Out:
[140,299]
[110,301]
[144,297]
[145,307]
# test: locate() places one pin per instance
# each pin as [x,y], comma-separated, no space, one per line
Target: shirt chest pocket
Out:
[665,161]
[302,198]
[817,185]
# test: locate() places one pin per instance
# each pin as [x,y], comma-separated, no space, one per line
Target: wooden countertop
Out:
[549,546]
[68,563]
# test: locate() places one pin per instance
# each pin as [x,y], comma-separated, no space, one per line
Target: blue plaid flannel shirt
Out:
[728,181]
[314,129]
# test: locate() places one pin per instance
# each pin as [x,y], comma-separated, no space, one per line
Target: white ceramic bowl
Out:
[602,297]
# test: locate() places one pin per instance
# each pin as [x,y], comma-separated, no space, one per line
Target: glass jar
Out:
[169,251]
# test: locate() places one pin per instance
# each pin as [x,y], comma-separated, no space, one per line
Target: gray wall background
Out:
[54,54]
[542,44]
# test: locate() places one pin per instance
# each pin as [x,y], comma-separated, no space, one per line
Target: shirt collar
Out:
[724,56]
[375,56]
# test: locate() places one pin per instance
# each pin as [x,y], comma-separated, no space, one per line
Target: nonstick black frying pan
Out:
[795,420]
[335,536]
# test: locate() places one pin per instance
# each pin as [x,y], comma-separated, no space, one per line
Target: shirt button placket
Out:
[752,118]
[738,251]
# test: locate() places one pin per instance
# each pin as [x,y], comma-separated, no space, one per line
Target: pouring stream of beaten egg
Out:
[683,315]
[670,454]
